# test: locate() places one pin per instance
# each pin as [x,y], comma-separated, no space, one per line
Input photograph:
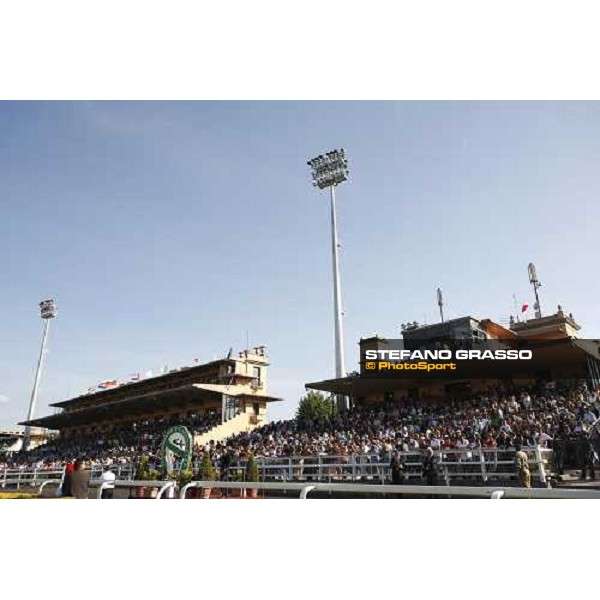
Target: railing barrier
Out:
[43,484]
[162,485]
[495,493]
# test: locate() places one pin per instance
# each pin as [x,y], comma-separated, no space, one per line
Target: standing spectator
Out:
[586,456]
[559,446]
[80,481]
[398,469]
[522,464]
[109,478]
[430,467]
[66,484]
[224,464]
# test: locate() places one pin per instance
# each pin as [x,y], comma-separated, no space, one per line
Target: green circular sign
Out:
[177,449]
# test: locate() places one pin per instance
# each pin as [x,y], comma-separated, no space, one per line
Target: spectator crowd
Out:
[121,445]
[545,415]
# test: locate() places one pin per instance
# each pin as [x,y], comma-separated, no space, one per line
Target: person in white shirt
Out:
[109,478]
[526,401]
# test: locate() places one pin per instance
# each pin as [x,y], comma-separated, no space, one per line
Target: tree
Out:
[315,408]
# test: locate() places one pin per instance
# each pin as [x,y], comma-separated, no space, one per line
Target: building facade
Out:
[559,355]
[231,392]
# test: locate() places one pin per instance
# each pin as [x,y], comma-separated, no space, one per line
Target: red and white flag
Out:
[107,384]
[524,307]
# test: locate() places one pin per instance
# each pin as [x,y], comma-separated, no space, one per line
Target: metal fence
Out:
[36,477]
[465,465]
[438,491]
[29,477]
[478,465]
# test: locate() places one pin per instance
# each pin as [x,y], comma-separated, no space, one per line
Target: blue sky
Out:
[166,230]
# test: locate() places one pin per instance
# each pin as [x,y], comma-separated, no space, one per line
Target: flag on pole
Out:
[108,384]
[524,307]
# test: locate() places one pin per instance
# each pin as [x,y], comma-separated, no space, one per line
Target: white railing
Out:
[33,477]
[29,477]
[162,486]
[122,471]
[476,464]
[404,490]
[304,489]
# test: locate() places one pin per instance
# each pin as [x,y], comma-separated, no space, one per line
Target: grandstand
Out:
[222,397]
[472,426]
[559,356]
[11,440]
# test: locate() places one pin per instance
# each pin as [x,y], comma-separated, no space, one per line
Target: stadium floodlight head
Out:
[47,309]
[536,284]
[532,274]
[329,170]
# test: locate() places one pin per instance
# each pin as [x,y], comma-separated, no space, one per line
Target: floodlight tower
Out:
[48,311]
[440,301]
[328,171]
[536,284]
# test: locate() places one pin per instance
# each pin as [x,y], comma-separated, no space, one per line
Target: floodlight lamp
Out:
[532,273]
[47,309]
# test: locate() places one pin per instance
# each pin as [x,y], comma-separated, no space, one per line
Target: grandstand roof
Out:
[145,384]
[181,397]
[548,355]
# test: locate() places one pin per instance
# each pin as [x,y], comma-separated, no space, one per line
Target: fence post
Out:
[540,462]
[164,488]
[446,475]
[290,470]
[482,462]
[305,491]
[101,488]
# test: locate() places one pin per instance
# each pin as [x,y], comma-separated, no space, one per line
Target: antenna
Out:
[516,305]
[440,301]
[536,284]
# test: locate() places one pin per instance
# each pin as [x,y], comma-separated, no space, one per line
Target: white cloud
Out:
[3,398]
